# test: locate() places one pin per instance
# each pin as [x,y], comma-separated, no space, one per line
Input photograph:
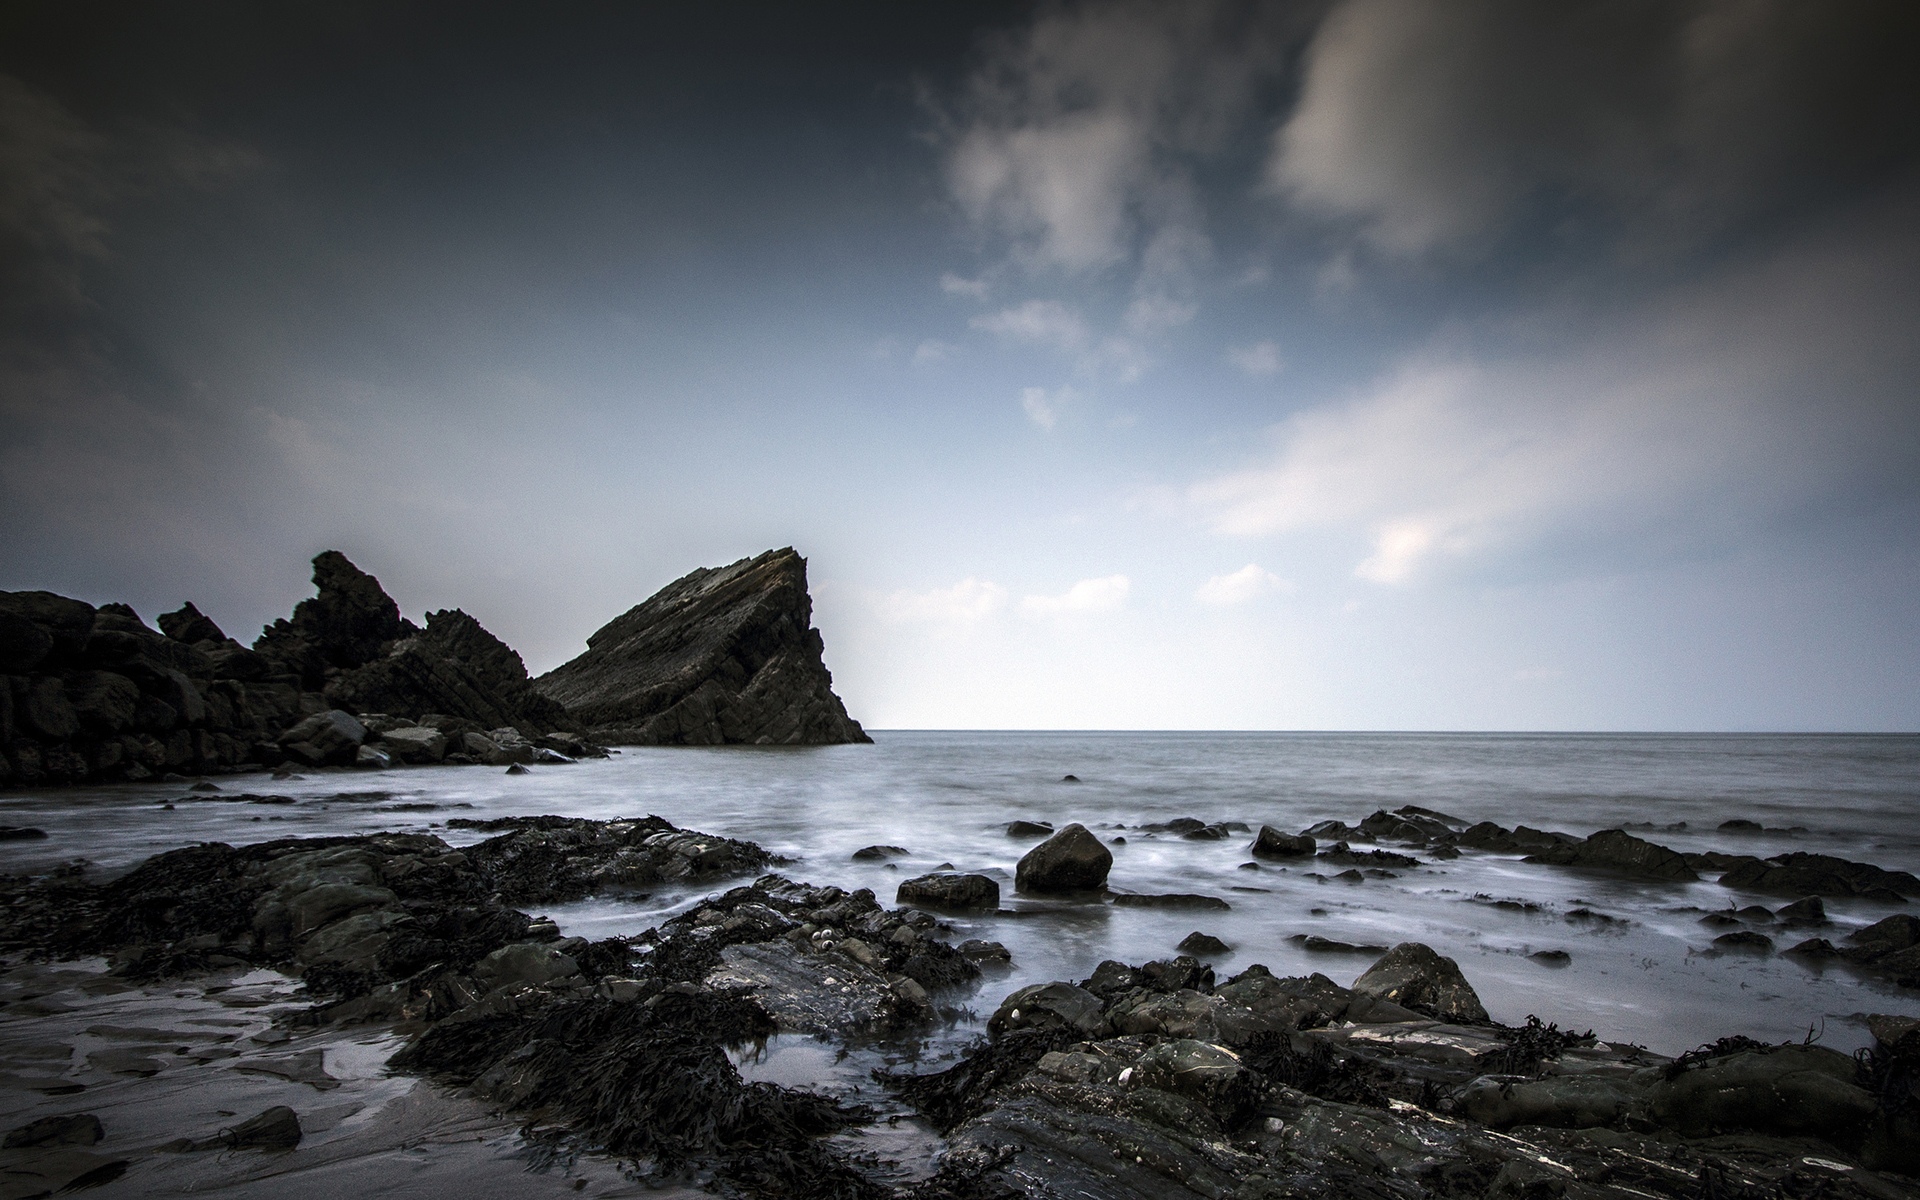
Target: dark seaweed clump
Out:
[1528,1047]
[1318,1070]
[651,1081]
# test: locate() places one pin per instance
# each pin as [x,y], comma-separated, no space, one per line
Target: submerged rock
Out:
[1271,843]
[723,655]
[1618,850]
[950,891]
[1802,874]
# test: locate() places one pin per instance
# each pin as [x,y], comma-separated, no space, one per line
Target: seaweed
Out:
[1317,1071]
[1528,1047]
[1736,1044]
[651,1082]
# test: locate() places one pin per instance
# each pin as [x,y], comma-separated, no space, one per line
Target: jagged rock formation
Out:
[96,695]
[350,643]
[726,654]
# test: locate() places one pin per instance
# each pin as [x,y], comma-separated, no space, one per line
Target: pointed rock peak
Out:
[344,625]
[454,633]
[188,624]
[723,654]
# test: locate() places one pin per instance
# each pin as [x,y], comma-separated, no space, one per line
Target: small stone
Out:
[517,769]
[1551,958]
[1204,943]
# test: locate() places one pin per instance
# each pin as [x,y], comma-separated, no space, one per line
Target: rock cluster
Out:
[1156,1081]
[724,655]
[98,695]
[86,694]
[388,925]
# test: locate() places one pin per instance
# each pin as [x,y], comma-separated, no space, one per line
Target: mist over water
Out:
[1647,976]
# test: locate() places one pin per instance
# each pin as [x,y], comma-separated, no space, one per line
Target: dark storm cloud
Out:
[1432,125]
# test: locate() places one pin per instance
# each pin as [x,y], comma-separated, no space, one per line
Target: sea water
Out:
[1648,975]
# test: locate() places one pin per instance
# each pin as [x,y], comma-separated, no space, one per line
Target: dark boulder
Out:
[1618,850]
[723,655]
[67,623]
[1188,900]
[1022,829]
[950,891]
[1271,843]
[1802,874]
[1071,860]
[1204,943]
[1051,1006]
[24,644]
[1412,974]
[1790,1089]
[328,737]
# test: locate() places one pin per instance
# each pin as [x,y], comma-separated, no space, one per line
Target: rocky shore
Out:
[96,695]
[1149,1079]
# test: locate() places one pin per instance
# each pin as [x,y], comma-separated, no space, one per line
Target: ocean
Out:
[1648,975]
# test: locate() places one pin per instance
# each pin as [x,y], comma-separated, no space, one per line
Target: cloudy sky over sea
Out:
[1365,364]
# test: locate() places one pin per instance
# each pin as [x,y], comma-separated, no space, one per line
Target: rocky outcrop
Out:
[1618,850]
[96,695]
[724,655]
[350,643]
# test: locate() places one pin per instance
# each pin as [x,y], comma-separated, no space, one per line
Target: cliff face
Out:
[724,655]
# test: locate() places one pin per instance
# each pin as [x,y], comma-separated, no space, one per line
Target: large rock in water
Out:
[1070,861]
[726,654]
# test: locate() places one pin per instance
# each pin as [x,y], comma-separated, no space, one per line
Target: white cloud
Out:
[933,350]
[1043,407]
[1248,583]
[954,285]
[1156,313]
[1076,137]
[1261,358]
[1715,413]
[1066,181]
[1106,594]
[1037,322]
[965,603]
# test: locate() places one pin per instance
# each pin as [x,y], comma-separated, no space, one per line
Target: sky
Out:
[1372,364]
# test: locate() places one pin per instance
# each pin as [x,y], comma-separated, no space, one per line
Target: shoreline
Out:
[825,963]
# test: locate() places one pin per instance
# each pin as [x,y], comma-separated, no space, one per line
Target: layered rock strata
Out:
[723,655]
